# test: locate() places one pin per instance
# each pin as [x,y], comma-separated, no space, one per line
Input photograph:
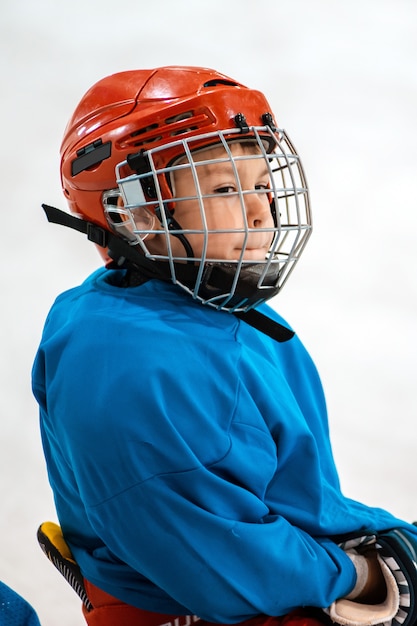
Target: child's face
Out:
[224,210]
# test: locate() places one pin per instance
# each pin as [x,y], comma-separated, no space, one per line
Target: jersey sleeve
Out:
[219,567]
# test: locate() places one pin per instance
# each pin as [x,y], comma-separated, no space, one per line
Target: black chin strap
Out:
[125,255]
[119,250]
[267,326]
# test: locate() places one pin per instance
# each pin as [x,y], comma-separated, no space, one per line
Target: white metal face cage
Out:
[145,203]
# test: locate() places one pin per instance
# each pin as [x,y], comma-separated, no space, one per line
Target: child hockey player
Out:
[183,422]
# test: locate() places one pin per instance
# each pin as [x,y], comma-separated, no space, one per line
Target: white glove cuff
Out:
[362,572]
[350,613]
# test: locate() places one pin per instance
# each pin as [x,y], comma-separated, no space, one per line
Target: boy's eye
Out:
[231,189]
[225,189]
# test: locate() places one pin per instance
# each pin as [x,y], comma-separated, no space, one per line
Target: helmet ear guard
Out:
[125,223]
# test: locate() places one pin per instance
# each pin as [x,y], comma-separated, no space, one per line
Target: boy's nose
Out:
[258,210]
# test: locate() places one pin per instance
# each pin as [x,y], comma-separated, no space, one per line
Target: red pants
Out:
[108,611]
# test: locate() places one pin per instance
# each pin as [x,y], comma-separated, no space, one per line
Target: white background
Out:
[342,80]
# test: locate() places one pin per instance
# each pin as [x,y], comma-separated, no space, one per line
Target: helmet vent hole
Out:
[147,141]
[183,130]
[142,131]
[181,117]
[218,81]
[145,130]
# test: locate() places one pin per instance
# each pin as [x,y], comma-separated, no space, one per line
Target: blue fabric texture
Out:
[14,610]
[189,455]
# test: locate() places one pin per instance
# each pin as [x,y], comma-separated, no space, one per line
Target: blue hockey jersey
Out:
[189,455]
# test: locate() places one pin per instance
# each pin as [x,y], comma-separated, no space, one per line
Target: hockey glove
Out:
[397,556]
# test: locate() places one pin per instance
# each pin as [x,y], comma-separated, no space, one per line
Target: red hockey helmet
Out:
[137,110]
[133,130]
